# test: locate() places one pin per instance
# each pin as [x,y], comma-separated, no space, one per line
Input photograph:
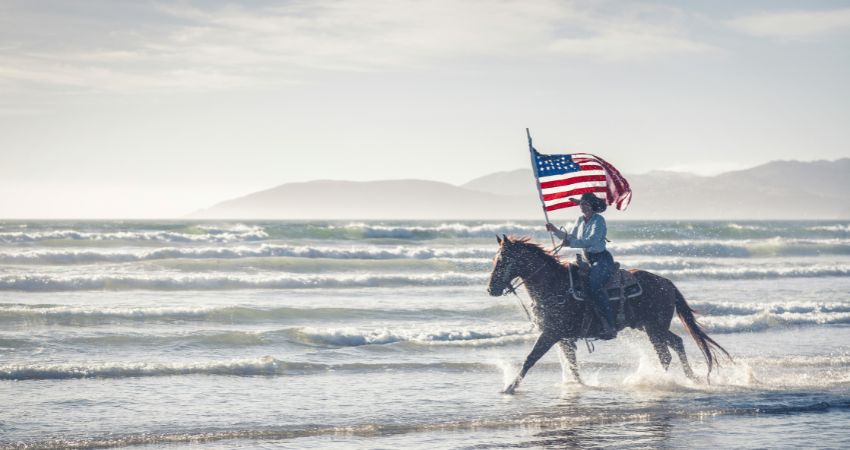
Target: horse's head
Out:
[505,266]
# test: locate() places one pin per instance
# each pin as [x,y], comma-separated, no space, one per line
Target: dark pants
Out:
[601,269]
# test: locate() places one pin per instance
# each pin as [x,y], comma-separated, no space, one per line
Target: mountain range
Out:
[776,190]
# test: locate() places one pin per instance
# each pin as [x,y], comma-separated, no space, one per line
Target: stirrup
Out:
[608,332]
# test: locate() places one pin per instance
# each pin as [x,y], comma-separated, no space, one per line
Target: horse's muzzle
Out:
[498,292]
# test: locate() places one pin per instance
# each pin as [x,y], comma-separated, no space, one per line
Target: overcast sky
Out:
[155,109]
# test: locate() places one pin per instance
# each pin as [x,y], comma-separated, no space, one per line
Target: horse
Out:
[561,318]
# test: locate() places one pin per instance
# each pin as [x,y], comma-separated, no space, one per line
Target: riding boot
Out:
[606,315]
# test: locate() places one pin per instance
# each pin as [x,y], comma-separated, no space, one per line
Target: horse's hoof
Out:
[509,389]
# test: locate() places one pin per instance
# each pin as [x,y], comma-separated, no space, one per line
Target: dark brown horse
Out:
[560,317]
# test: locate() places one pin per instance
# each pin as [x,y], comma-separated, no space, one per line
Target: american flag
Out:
[563,176]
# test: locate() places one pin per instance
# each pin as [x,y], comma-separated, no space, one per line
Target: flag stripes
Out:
[563,176]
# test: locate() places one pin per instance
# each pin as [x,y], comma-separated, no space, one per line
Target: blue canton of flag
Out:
[548,165]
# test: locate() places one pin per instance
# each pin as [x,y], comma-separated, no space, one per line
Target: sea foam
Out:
[88,256]
[263,366]
[231,233]
[231,281]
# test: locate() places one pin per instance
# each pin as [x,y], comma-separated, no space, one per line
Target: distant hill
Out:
[392,199]
[776,190]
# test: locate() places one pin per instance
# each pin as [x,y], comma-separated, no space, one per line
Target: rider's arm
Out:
[595,240]
[560,234]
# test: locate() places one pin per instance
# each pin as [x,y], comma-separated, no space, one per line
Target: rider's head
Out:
[590,203]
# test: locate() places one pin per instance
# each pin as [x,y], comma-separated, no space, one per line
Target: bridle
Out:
[513,287]
[510,287]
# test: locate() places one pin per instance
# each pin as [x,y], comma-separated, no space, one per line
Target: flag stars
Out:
[548,165]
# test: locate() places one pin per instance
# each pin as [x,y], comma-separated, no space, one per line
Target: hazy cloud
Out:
[795,24]
[194,46]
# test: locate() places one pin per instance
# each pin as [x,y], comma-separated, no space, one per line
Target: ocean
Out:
[166,334]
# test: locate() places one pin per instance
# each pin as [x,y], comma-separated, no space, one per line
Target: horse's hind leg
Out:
[659,341]
[675,342]
[568,352]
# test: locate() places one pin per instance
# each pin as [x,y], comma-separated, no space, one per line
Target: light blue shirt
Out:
[590,236]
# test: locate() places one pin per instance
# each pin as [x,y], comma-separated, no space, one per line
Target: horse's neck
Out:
[543,278]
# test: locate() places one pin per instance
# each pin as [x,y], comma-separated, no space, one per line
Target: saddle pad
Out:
[622,284]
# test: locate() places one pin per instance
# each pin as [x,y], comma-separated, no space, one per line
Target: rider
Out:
[589,233]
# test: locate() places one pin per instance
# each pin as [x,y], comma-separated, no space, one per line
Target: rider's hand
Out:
[550,227]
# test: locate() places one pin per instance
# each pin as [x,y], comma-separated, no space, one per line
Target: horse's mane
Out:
[533,247]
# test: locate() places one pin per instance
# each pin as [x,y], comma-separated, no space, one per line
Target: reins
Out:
[512,288]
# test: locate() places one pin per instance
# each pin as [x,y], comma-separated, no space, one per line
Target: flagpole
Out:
[537,183]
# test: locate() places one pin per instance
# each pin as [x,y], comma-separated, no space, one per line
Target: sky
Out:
[139,109]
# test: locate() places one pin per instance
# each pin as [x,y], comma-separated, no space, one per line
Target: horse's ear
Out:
[505,240]
[498,239]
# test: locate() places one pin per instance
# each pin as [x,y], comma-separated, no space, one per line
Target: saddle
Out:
[622,284]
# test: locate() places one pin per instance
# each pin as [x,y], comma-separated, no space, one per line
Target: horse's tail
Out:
[706,344]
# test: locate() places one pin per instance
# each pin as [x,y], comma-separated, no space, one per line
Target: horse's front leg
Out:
[543,344]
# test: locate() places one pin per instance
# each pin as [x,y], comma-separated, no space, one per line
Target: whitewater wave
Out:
[746,227]
[155,280]
[270,366]
[744,309]
[733,248]
[36,283]
[351,337]
[768,320]
[85,315]
[716,318]
[232,233]
[481,254]
[448,230]
[672,248]
[260,366]
[758,272]
[620,230]
[263,366]
[732,317]
[77,256]
[843,228]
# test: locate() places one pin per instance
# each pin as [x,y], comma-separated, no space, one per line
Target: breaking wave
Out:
[447,230]
[729,317]
[757,273]
[76,256]
[233,233]
[742,309]
[224,282]
[842,228]
[34,282]
[734,249]
[294,278]
[350,337]
[768,320]
[261,366]
[706,249]
[264,366]
[81,315]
